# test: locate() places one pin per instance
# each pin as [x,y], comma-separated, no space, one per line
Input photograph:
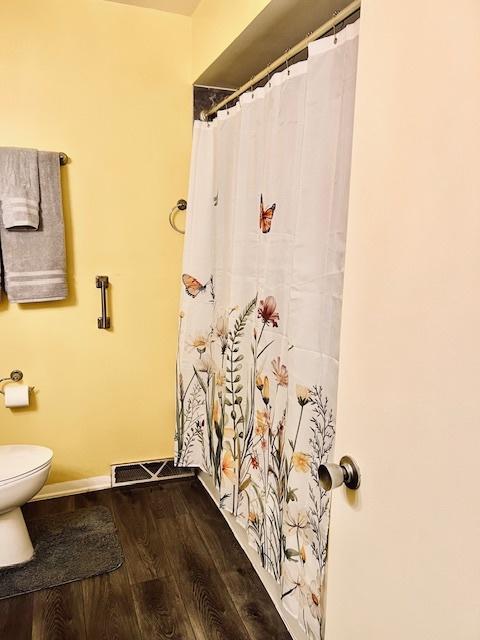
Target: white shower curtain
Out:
[260,312]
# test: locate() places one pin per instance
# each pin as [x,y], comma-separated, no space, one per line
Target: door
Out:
[404,557]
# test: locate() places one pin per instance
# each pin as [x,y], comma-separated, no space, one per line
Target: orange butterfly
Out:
[266,216]
[192,285]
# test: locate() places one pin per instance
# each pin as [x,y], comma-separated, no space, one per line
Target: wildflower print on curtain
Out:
[258,342]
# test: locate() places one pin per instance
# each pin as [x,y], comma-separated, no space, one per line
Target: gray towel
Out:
[34,261]
[19,187]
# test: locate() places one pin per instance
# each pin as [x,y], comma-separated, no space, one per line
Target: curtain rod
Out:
[321,31]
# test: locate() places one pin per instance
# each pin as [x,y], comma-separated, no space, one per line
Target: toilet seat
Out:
[18,462]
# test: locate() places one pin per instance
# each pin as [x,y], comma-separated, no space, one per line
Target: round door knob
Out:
[332,476]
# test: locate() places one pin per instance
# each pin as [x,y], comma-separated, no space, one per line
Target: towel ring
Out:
[180,206]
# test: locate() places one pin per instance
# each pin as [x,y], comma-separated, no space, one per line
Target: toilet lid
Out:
[21,459]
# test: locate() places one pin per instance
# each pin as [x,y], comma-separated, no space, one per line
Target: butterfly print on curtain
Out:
[266,216]
[193,286]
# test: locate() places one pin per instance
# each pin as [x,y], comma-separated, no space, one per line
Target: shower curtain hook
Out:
[286,63]
[335,14]
[268,77]
[251,87]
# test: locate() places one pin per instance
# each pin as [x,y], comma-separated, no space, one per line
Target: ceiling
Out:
[184,7]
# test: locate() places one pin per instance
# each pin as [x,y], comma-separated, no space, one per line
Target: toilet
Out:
[23,472]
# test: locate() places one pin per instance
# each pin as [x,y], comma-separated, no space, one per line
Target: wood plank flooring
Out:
[185,577]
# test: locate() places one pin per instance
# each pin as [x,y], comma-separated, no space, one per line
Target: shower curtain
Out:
[260,312]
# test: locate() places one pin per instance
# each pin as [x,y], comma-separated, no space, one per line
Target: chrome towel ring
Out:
[180,206]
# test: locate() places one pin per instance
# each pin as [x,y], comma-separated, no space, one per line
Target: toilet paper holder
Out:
[15,376]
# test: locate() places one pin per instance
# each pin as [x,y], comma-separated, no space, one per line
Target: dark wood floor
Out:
[184,577]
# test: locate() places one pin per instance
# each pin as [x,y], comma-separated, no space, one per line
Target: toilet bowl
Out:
[23,472]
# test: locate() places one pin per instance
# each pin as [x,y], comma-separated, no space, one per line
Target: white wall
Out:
[405,553]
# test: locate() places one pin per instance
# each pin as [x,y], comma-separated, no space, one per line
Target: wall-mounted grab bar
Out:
[180,206]
[102,283]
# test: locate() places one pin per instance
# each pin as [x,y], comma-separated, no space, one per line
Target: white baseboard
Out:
[72,487]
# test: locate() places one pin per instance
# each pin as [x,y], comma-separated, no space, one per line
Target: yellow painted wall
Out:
[215,24]
[110,85]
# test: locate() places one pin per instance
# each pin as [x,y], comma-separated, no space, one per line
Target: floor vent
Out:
[147,471]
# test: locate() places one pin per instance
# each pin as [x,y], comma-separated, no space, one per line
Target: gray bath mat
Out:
[68,547]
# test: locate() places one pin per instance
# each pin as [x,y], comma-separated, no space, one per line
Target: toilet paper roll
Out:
[16,395]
